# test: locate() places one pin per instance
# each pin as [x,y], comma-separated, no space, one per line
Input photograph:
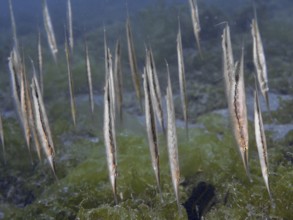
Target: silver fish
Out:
[172,140]
[40,59]
[24,107]
[261,142]
[89,77]
[239,113]
[70,83]
[13,26]
[69,21]
[109,138]
[33,131]
[118,77]
[228,60]
[2,139]
[42,124]
[15,81]
[182,82]
[259,61]
[49,30]
[110,76]
[154,87]
[195,22]
[151,129]
[18,92]
[133,63]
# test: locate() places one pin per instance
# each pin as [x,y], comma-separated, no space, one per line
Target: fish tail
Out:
[246,165]
[267,101]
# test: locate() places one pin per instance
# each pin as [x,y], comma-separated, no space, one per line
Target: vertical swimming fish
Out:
[261,142]
[151,129]
[109,138]
[259,61]
[228,60]
[154,87]
[172,140]
[70,83]
[15,80]
[110,75]
[13,26]
[118,77]
[133,63]
[195,22]
[182,82]
[89,77]
[40,59]
[16,68]
[2,139]
[49,30]
[24,107]
[69,24]
[30,116]
[42,124]
[238,112]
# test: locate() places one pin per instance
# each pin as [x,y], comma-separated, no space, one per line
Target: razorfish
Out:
[2,139]
[195,22]
[118,77]
[24,107]
[42,124]
[228,60]
[110,74]
[89,77]
[30,116]
[49,30]
[15,81]
[69,21]
[132,61]
[238,112]
[110,138]
[70,83]
[182,82]
[259,61]
[13,26]
[151,129]
[154,87]
[261,142]
[40,59]
[172,140]
[16,70]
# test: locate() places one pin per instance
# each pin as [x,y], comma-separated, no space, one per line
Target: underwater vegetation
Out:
[213,183]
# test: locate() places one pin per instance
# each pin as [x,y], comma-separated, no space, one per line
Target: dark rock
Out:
[201,200]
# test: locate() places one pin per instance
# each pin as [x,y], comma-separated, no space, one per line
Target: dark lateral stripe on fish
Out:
[239,113]
[260,61]
[154,87]
[151,130]
[109,138]
[261,141]
[172,140]
[42,128]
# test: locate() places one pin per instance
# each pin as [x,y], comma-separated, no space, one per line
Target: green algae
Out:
[84,192]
